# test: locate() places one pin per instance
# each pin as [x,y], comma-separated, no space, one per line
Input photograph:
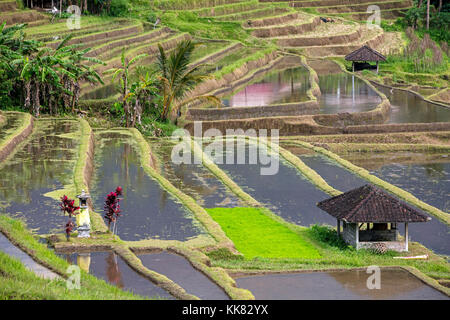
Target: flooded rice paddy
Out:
[428,180]
[7,247]
[288,193]
[111,268]
[276,87]
[148,210]
[193,179]
[406,107]
[342,92]
[12,122]
[338,285]
[179,270]
[42,164]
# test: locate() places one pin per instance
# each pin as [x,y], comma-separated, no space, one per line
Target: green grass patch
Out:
[255,234]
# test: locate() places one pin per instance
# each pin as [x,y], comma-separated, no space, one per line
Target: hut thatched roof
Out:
[365,53]
[369,204]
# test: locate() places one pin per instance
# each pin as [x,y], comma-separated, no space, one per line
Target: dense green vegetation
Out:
[256,235]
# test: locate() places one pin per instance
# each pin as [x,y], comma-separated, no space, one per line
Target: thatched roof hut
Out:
[365,54]
[377,211]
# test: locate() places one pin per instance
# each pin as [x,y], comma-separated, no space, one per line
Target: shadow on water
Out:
[179,270]
[276,87]
[193,179]
[111,268]
[148,210]
[44,163]
[288,193]
[429,183]
[406,107]
[338,285]
[7,247]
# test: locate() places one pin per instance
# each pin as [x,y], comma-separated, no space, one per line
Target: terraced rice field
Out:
[150,210]
[44,163]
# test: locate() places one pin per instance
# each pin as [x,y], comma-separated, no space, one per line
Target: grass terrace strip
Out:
[183,4]
[202,216]
[17,136]
[402,194]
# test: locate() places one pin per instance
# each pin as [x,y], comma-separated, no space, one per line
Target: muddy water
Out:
[287,192]
[11,123]
[44,163]
[7,247]
[409,108]
[278,86]
[148,210]
[339,285]
[179,270]
[193,179]
[111,268]
[342,92]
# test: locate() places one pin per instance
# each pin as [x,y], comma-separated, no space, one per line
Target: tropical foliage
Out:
[40,78]
[177,79]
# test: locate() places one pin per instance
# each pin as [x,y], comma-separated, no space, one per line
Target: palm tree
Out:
[177,79]
[141,92]
[428,14]
[123,73]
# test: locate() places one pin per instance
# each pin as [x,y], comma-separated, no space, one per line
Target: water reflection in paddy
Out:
[338,285]
[179,270]
[406,107]
[429,182]
[193,179]
[148,210]
[276,87]
[342,92]
[43,164]
[287,192]
[12,122]
[111,268]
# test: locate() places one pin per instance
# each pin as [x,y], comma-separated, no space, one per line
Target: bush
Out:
[118,8]
[327,235]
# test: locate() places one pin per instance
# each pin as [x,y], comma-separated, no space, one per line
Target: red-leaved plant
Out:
[68,206]
[112,208]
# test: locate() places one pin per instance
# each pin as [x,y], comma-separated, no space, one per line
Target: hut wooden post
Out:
[406,236]
[357,236]
[353,66]
[339,227]
[377,67]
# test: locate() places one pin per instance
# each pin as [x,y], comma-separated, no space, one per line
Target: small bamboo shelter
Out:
[370,217]
[365,54]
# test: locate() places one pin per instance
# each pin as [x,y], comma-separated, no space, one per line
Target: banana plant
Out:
[123,73]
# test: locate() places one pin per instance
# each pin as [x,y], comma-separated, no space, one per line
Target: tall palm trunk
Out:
[28,95]
[36,100]
[428,14]
[125,101]
[76,95]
